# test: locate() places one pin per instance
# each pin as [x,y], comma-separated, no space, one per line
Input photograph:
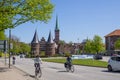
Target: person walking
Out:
[13,58]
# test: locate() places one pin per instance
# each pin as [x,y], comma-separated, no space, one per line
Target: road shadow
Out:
[110,71]
[26,75]
[62,71]
[55,68]
[33,76]
[3,69]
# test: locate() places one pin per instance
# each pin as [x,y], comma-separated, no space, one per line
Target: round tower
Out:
[35,45]
[50,46]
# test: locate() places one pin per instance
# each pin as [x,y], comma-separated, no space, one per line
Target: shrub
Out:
[67,54]
[3,54]
[29,55]
[42,54]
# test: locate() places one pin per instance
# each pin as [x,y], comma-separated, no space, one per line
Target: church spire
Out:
[35,38]
[57,34]
[56,27]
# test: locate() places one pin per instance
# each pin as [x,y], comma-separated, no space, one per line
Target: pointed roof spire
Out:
[35,38]
[56,27]
[50,40]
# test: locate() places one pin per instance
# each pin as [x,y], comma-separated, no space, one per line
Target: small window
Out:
[113,58]
[117,58]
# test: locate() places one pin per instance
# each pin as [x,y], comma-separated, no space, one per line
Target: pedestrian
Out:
[13,59]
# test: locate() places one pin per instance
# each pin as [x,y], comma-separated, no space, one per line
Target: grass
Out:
[3,54]
[90,62]
[84,62]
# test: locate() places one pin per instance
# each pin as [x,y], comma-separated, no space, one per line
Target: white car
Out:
[114,63]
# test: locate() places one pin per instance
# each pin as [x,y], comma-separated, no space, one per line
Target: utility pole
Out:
[9,45]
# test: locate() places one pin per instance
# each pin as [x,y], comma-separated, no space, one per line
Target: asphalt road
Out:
[56,71]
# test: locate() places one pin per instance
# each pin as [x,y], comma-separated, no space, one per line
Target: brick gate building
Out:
[49,46]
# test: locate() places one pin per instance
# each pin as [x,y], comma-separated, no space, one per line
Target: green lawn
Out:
[84,62]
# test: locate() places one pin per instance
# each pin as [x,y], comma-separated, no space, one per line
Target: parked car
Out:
[97,57]
[114,63]
[22,55]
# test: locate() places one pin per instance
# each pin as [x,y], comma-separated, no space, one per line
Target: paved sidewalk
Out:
[12,73]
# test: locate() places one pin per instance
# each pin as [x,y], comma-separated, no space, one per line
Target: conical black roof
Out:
[50,40]
[35,38]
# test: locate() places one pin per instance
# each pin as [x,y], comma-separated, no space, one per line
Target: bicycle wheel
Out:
[72,69]
[40,73]
[67,68]
[36,74]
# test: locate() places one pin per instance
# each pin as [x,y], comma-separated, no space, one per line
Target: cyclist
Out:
[37,61]
[68,61]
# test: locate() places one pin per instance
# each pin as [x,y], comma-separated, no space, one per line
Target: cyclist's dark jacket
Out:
[69,60]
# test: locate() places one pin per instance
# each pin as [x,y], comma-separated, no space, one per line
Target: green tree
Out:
[2,35]
[117,44]
[97,44]
[88,46]
[5,14]
[19,47]
[62,42]
[25,48]
[16,45]
[16,12]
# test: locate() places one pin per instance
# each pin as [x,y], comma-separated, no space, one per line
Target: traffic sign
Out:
[3,45]
[2,42]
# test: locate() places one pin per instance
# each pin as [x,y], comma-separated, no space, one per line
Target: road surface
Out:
[56,71]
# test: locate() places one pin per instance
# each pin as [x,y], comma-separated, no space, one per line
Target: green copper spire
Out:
[56,27]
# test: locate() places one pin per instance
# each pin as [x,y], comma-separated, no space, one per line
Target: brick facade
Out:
[110,40]
[52,46]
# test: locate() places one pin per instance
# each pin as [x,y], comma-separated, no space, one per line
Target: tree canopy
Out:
[16,12]
[19,47]
[88,46]
[2,35]
[95,45]
[117,44]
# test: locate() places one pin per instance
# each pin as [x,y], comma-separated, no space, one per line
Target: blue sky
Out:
[77,19]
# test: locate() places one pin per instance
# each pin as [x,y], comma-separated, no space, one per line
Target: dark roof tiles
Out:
[35,38]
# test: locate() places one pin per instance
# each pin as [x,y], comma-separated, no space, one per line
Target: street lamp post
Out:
[9,45]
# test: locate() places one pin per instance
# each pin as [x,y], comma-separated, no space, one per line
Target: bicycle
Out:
[69,67]
[38,72]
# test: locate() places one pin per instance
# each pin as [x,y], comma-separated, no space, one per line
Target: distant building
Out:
[52,46]
[110,40]
[49,46]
